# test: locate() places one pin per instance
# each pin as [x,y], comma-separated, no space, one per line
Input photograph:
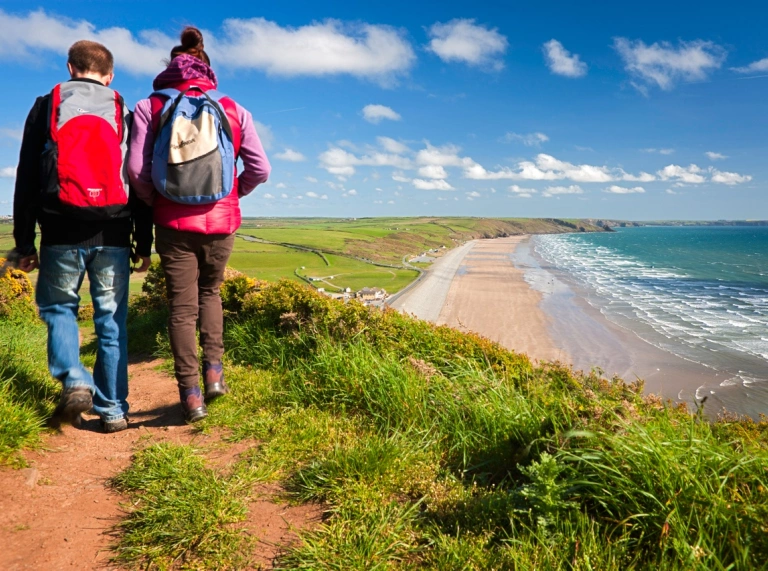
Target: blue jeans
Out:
[62,269]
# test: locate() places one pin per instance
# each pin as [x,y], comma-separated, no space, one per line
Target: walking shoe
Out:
[73,402]
[110,426]
[213,376]
[193,404]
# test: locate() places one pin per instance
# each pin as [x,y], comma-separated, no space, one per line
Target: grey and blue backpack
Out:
[194,155]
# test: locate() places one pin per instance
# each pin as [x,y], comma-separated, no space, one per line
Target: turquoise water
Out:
[698,292]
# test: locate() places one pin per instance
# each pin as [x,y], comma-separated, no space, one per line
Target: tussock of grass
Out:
[27,392]
[182,513]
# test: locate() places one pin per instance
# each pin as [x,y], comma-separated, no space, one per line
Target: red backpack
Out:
[84,159]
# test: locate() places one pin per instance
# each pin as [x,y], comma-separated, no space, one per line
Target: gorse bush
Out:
[16,295]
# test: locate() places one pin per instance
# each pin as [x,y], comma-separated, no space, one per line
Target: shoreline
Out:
[499,289]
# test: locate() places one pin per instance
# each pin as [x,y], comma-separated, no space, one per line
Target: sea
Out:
[698,292]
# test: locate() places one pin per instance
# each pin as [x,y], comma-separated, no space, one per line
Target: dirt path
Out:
[57,513]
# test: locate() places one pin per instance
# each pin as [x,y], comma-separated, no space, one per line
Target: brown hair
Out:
[87,56]
[191,44]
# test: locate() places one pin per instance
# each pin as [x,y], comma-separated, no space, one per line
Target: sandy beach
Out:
[490,296]
[497,288]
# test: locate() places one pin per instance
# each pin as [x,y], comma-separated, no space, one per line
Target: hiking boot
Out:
[193,404]
[73,402]
[110,426]
[213,376]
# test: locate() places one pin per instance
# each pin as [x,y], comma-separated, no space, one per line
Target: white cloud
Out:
[390,201]
[561,62]
[433,171]
[8,172]
[37,33]
[715,156]
[546,167]
[325,48]
[445,156]
[431,184]
[311,194]
[555,190]
[660,151]
[693,174]
[522,192]
[400,177]
[690,174]
[464,41]
[729,178]
[623,190]
[642,177]
[281,185]
[291,156]
[473,194]
[663,65]
[755,67]
[340,162]
[392,146]
[352,192]
[375,113]
[529,140]
[265,134]
[283,195]
[267,195]
[310,179]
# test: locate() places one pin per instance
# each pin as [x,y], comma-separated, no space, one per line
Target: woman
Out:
[194,240]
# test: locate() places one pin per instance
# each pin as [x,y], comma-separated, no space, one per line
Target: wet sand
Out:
[501,291]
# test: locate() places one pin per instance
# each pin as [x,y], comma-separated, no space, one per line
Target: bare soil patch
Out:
[58,513]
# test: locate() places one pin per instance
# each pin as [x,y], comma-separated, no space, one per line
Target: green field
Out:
[388,240]
[272,262]
[348,245]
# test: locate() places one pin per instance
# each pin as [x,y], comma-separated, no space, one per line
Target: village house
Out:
[371,294]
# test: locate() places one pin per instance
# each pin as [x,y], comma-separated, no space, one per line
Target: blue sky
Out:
[602,109]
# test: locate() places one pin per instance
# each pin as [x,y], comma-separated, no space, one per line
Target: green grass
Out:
[27,392]
[182,513]
[6,239]
[439,450]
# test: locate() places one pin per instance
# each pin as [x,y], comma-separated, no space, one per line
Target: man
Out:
[71,180]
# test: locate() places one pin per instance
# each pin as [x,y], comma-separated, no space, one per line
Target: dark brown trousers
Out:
[194,269]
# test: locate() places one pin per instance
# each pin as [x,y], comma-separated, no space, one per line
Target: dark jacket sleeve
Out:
[141,214]
[27,194]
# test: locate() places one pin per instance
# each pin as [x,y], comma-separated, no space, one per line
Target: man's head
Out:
[91,60]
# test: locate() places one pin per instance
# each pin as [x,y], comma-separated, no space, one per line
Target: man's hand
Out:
[29,263]
[144,260]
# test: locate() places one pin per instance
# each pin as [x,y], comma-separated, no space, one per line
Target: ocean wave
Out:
[702,317]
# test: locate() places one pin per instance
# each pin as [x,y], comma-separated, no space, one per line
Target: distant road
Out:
[426,299]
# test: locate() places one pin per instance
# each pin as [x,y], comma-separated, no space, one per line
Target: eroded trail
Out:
[58,512]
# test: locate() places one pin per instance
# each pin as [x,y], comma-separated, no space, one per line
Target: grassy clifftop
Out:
[433,449]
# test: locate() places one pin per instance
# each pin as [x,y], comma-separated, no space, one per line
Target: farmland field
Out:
[344,252]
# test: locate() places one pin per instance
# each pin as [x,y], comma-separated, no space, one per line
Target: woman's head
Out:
[191,44]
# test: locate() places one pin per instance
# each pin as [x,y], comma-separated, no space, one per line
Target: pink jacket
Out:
[222,217]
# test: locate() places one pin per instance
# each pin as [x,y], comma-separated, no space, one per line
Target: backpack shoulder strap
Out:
[53,117]
[169,92]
